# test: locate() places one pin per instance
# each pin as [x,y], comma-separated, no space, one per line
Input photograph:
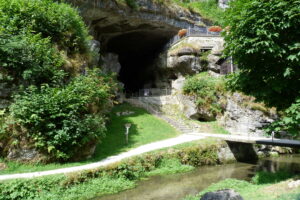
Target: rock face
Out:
[110,18]
[223,3]
[111,63]
[243,116]
[186,58]
[222,195]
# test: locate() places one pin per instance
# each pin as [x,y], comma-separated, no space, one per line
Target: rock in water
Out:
[222,195]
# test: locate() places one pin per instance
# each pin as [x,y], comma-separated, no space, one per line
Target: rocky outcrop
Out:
[111,18]
[223,3]
[244,116]
[111,63]
[193,55]
[184,61]
[222,195]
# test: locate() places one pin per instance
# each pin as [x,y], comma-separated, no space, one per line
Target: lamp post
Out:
[127,126]
[273,134]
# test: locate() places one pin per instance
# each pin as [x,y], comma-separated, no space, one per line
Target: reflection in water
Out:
[180,185]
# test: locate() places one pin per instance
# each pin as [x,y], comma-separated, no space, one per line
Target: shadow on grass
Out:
[145,129]
[115,140]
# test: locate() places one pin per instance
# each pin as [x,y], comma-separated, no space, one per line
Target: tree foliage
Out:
[29,59]
[265,43]
[32,34]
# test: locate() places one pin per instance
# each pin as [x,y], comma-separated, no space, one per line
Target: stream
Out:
[178,186]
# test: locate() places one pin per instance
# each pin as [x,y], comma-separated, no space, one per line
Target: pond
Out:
[177,186]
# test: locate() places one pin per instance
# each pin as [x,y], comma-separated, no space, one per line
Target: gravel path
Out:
[112,159]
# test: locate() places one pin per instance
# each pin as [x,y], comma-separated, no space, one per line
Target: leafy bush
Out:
[58,21]
[290,121]
[29,59]
[61,120]
[206,89]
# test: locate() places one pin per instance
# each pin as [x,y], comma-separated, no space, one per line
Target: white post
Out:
[127,126]
[273,134]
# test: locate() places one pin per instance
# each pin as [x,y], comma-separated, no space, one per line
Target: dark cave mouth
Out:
[137,52]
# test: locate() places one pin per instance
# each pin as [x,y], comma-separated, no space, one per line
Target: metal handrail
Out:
[150,92]
[192,32]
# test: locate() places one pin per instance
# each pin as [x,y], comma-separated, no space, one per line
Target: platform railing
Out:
[150,92]
[192,32]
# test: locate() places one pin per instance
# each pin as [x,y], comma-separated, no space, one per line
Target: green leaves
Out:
[206,89]
[61,120]
[264,41]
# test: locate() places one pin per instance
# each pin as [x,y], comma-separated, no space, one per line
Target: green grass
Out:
[207,9]
[170,166]
[145,129]
[264,186]
[212,127]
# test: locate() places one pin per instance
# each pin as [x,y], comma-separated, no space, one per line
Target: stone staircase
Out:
[177,124]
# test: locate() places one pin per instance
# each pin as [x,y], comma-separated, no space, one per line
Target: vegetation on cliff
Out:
[208,9]
[207,90]
[52,111]
[265,44]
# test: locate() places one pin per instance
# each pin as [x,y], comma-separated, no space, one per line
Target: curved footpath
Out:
[155,146]
[112,159]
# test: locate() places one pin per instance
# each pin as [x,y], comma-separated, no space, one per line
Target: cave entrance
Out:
[137,52]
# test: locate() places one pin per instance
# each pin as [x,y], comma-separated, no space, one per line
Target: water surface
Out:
[178,186]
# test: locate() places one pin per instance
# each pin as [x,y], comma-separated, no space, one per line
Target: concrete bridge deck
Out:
[254,140]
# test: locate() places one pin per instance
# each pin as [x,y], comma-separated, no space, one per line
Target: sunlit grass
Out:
[145,129]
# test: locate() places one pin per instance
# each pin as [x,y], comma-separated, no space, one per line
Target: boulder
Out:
[111,63]
[226,194]
[95,48]
[25,155]
[188,106]
[2,166]
[223,3]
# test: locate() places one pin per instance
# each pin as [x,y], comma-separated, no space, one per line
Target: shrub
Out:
[29,59]
[61,120]
[206,89]
[290,121]
[58,21]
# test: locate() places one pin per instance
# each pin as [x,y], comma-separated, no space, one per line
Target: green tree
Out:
[264,40]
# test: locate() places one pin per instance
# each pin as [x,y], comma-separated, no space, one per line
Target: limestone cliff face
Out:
[110,18]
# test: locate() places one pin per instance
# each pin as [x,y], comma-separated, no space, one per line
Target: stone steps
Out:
[180,126]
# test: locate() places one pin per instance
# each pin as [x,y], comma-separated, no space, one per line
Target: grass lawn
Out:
[270,190]
[212,127]
[145,129]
